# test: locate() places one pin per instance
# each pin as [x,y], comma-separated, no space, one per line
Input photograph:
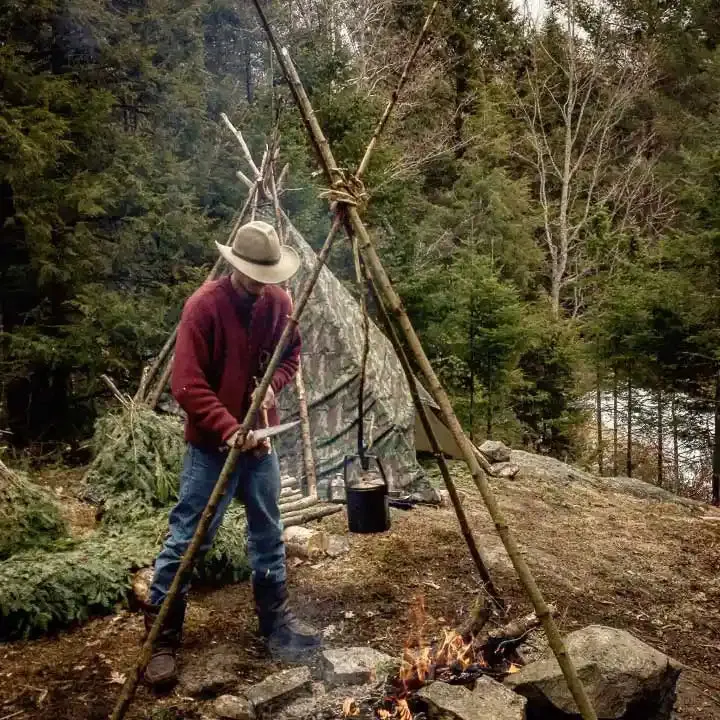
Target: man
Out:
[228,331]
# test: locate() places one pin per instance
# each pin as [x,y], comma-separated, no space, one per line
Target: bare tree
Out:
[578,92]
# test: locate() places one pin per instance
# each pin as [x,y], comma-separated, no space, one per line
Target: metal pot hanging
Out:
[367,498]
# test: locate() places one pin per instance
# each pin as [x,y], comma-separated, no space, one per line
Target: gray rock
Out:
[279,688]
[211,673]
[505,470]
[495,451]
[489,700]
[352,666]
[624,678]
[233,707]
[428,496]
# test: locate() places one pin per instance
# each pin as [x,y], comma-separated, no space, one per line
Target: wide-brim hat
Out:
[256,252]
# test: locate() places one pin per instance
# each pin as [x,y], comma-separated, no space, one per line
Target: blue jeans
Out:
[256,481]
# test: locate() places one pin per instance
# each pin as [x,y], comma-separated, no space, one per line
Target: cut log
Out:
[291,490]
[305,543]
[314,513]
[289,482]
[289,507]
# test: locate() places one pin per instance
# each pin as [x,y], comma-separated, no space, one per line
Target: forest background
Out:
[547,201]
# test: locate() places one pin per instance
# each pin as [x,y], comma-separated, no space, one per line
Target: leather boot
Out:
[287,638]
[161,671]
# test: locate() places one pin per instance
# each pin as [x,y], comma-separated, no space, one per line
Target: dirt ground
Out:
[603,556]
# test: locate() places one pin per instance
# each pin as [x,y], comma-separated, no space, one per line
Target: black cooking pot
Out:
[367,499]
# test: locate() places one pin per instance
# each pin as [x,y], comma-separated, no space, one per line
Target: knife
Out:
[262,433]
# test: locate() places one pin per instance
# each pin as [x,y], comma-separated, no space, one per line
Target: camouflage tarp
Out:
[332,332]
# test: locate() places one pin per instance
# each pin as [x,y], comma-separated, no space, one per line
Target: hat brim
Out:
[281,271]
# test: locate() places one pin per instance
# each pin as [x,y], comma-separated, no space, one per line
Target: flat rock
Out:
[211,673]
[352,666]
[428,496]
[233,707]
[489,700]
[495,451]
[505,470]
[624,677]
[279,689]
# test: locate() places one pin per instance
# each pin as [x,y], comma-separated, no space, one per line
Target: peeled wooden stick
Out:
[300,518]
[162,358]
[289,507]
[243,144]
[395,307]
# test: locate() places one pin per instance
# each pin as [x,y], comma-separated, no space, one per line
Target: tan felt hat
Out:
[256,252]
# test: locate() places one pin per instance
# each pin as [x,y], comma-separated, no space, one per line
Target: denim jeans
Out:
[256,481]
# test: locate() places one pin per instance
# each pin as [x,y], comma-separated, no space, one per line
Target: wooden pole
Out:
[422,412]
[305,432]
[128,691]
[394,304]
[313,513]
[396,93]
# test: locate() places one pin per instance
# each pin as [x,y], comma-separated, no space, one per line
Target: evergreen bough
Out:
[29,515]
[135,477]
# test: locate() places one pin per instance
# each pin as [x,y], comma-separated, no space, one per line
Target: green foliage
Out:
[546,400]
[137,449]
[135,477]
[44,589]
[29,515]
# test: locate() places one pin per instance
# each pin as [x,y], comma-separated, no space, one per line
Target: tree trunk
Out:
[660,438]
[628,463]
[598,412]
[716,444]
[676,454]
[615,422]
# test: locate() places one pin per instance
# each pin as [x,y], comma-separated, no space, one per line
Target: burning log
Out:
[506,637]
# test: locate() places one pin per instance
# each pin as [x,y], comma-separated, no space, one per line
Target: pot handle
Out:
[366,465]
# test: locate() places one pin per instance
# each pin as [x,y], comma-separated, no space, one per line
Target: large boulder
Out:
[624,677]
[489,700]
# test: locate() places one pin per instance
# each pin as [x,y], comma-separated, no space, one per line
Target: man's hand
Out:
[269,399]
[250,443]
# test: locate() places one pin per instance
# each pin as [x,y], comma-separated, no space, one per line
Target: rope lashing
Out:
[348,189]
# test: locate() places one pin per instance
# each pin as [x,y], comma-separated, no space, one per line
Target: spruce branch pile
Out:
[134,476]
[29,515]
[137,450]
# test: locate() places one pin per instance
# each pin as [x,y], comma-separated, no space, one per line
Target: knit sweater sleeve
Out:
[190,385]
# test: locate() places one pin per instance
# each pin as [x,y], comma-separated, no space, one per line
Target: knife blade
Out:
[262,433]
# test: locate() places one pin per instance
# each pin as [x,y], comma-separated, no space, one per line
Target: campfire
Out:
[454,658]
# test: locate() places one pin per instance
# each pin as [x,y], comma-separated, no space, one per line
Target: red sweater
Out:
[222,339]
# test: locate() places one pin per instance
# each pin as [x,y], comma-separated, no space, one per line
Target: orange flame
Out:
[419,657]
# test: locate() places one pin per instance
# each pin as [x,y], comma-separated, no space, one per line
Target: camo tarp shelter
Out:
[332,332]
